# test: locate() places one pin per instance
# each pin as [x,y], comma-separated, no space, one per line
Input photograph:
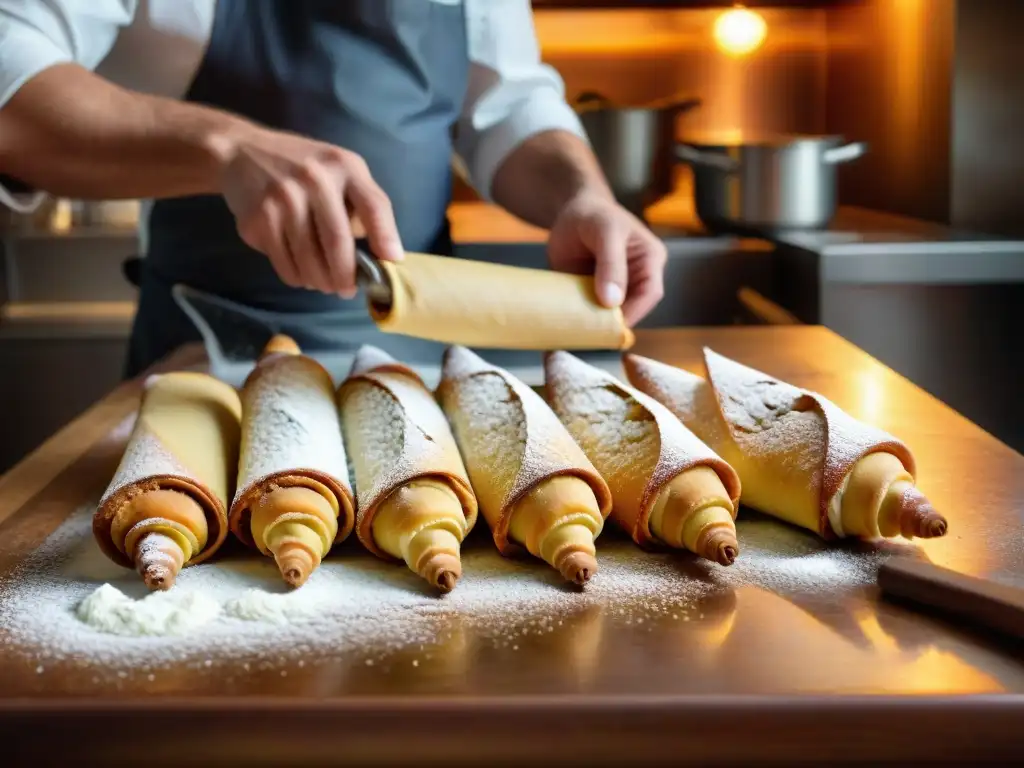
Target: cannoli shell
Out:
[747,405]
[290,431]
[185,438]
[480,304]
[510,439]
[396,433]
[637,467]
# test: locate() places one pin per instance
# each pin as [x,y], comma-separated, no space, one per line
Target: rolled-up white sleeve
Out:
[38,34]
[512,94]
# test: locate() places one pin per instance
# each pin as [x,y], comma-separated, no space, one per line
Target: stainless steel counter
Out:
[940,306]
[870,248]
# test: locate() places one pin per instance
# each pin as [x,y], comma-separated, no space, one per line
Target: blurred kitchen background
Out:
[922,264]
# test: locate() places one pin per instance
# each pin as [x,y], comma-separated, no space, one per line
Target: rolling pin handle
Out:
[373,279]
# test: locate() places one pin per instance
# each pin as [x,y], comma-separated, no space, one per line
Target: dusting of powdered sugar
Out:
[154,547]
[759,414]
[618,435]
[496,418]
[773,418]
[237,609]
[291,422]
[765,417]
[399,431]
[370,357]
[374,428]
[631,438]
[144,457]
[491,429]
[687,396]
[777,415]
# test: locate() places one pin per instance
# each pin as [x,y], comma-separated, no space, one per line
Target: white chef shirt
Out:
[157,46]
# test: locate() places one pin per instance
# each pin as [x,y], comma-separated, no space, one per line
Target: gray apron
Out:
[383,78]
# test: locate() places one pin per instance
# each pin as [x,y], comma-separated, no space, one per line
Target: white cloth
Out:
[157,46]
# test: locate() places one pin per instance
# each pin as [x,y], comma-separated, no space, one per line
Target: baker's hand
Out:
[297,201]
[594,234]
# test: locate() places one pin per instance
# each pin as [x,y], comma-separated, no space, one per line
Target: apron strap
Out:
[131,268]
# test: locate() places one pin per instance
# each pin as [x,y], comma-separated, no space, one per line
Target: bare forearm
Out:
[544,173]
[70,132]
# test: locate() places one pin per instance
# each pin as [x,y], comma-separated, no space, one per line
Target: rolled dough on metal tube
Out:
[483,305]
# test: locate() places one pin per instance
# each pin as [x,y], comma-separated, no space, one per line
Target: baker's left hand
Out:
[593,234]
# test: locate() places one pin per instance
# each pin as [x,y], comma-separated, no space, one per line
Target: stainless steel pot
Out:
[634,145]
[771,184]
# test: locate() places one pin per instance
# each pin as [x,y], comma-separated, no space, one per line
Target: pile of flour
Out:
[67,601]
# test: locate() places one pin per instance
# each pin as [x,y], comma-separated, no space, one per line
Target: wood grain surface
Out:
[833,674]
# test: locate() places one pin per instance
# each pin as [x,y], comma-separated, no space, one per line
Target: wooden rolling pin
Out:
[981,602]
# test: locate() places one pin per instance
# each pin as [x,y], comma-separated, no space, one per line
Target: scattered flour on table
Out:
[271,608]
[109,610]
[67,602]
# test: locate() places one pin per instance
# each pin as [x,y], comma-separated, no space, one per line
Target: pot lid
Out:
[591,101]
[737,138]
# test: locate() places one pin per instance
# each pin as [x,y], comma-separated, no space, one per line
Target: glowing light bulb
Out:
[740,31]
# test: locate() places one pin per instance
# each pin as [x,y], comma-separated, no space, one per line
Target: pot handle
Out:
[845,153]
[591,101]
[687,154]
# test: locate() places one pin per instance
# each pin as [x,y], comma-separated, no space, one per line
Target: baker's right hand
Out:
[298,201]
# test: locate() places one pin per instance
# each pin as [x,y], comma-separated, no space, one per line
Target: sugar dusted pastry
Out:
[536,488]
[415,500]
[667,486]
[166,506]
[294,500]
[439,298]
[800,457]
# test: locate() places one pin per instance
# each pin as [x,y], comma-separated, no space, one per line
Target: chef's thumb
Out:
[611,274]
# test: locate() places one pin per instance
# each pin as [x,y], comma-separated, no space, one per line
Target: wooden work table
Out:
[829,676]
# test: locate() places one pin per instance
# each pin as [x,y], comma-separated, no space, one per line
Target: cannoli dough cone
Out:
[166,506]
[294,500]
[535,487]
[667,486]
[800,457]
[459,301]
[415,500]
